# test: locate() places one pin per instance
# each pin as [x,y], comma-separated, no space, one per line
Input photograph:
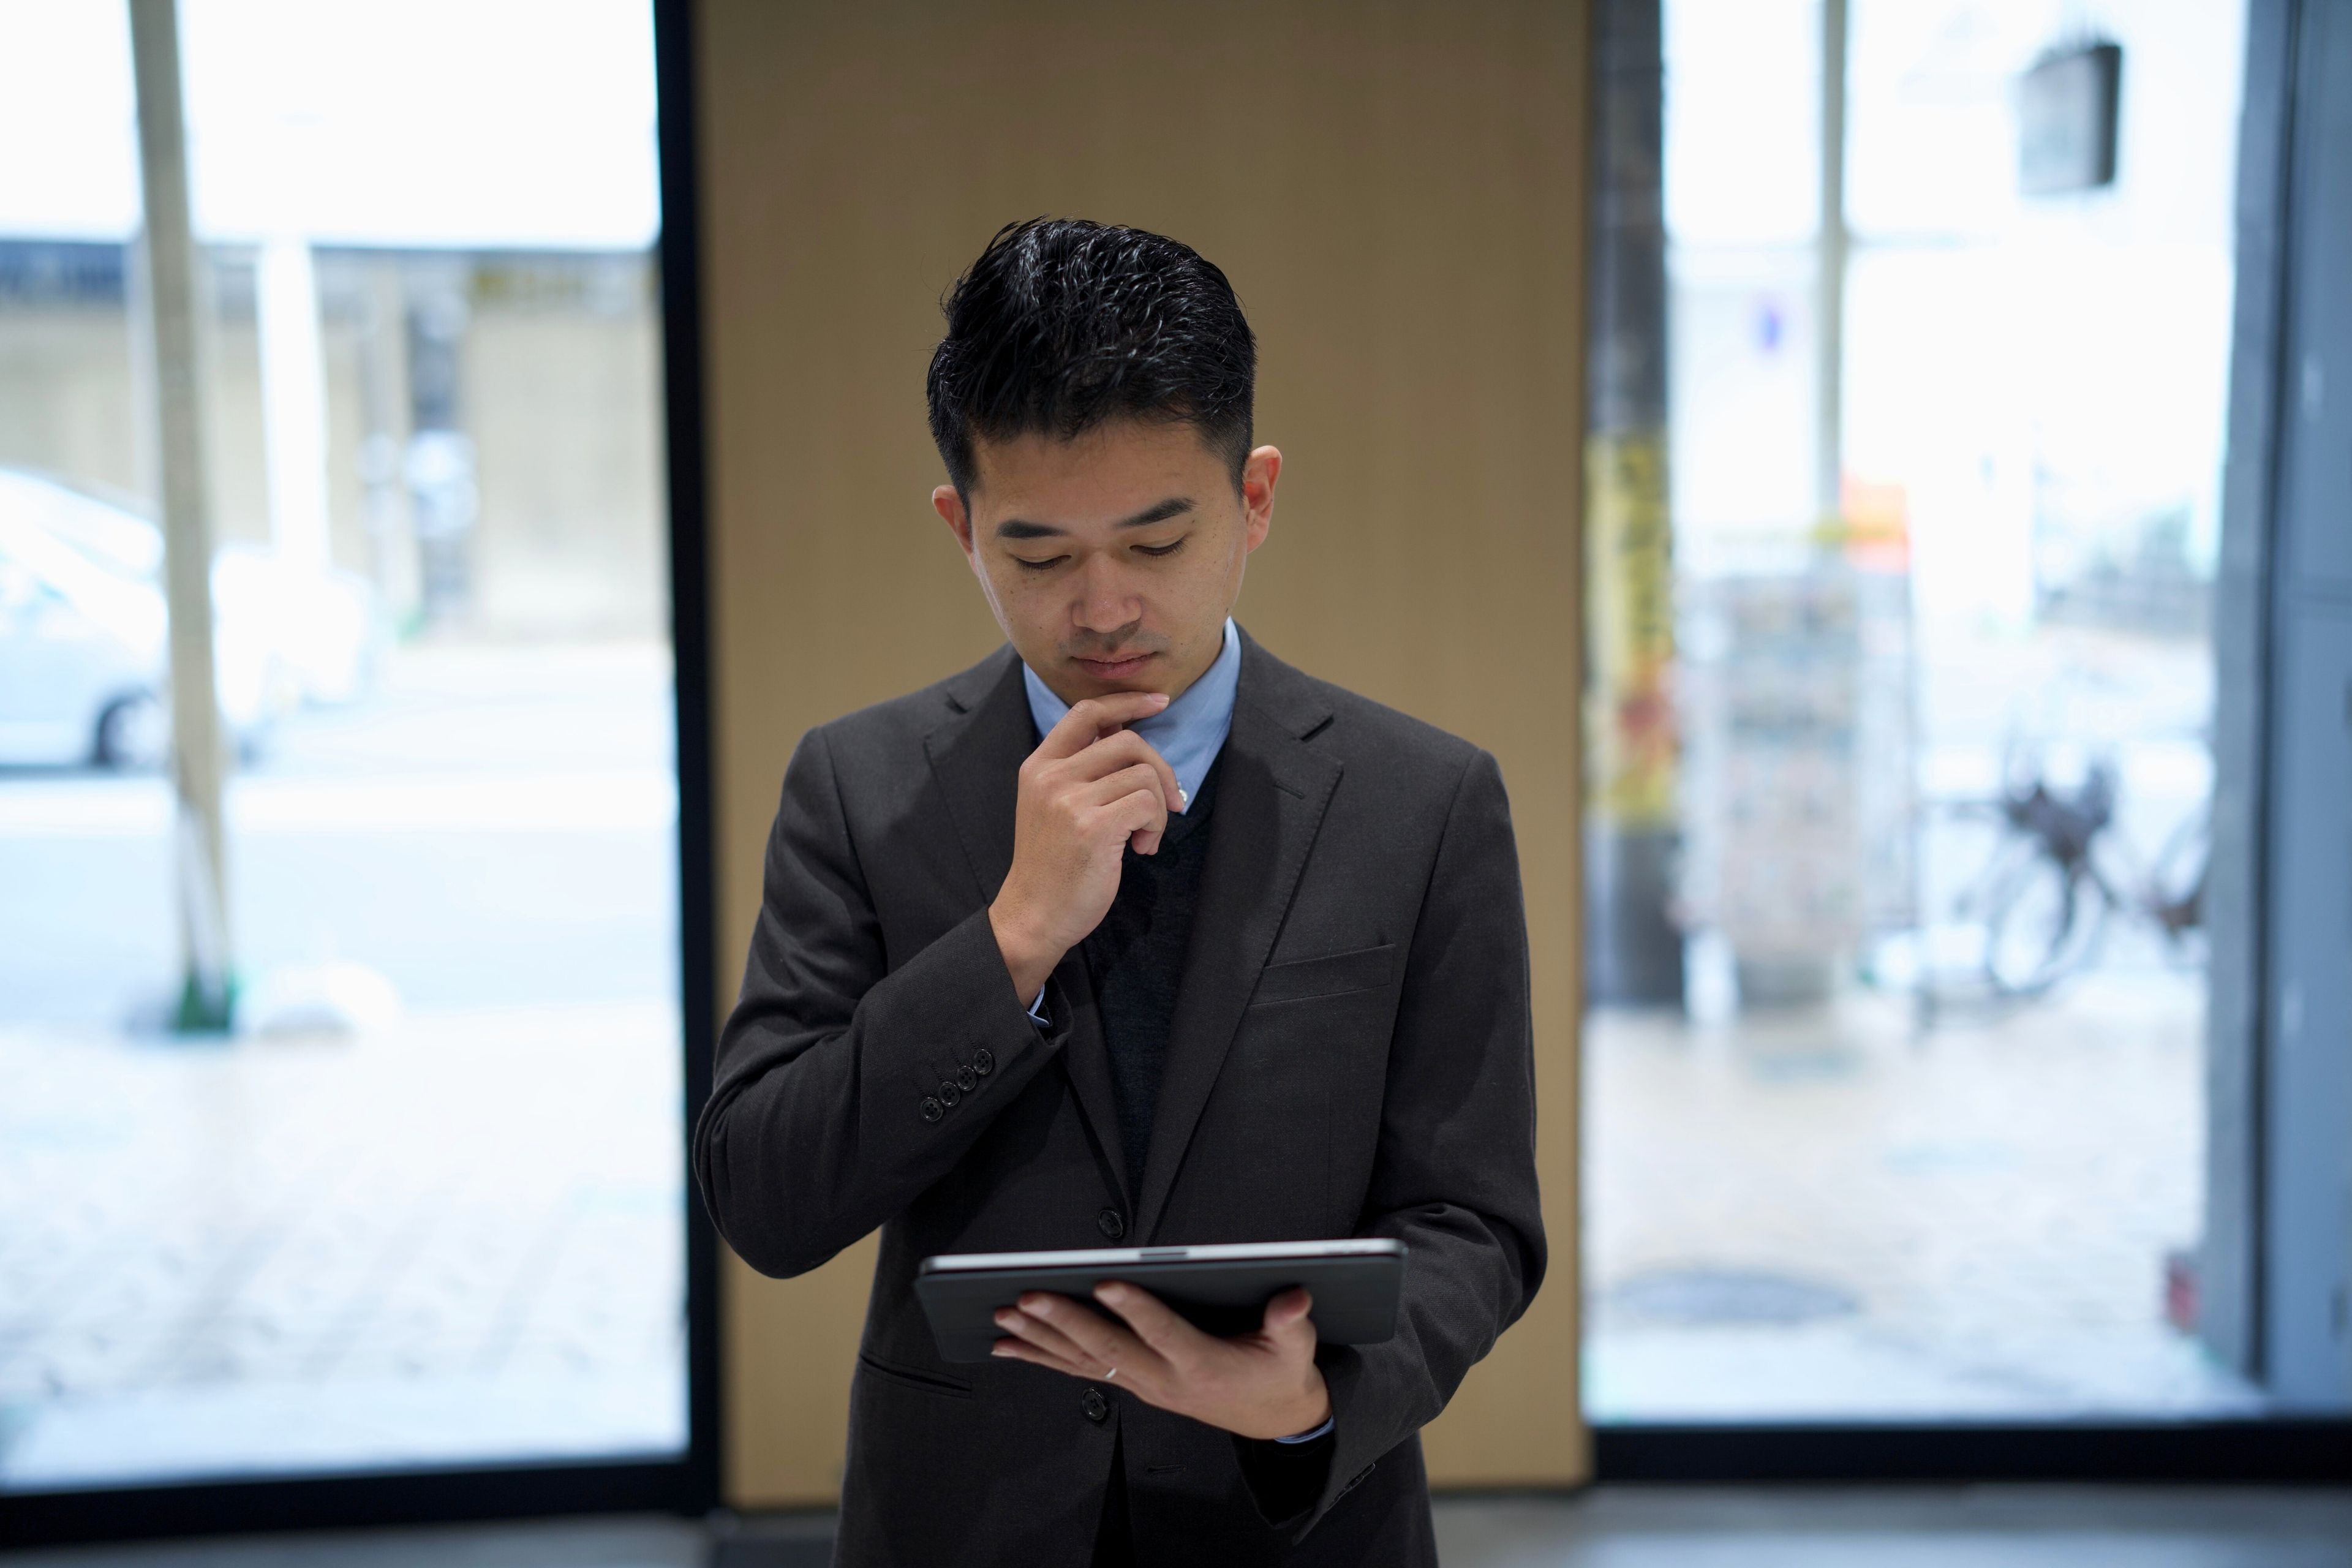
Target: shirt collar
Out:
[1189,732]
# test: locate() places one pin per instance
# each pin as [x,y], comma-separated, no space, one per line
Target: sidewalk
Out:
[1818,1216]
[458,1239]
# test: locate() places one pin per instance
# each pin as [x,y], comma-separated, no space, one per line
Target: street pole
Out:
[1829,379]
[199,758]
[1633,947]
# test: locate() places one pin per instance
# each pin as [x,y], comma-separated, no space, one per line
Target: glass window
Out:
[423,1204]
[1922,1137]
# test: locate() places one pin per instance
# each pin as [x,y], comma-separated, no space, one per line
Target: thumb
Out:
[1287,1309]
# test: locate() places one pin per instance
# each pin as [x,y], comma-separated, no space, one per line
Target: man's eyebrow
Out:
[1019,527]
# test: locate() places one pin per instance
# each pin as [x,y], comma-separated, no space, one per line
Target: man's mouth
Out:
[1116,668]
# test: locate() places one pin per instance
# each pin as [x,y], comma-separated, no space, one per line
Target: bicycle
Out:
[2045,894]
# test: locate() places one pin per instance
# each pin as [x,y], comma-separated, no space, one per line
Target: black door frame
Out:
[2255,1449]
[690,1483]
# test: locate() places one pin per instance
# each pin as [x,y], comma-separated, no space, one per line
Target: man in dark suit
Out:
[1131,934]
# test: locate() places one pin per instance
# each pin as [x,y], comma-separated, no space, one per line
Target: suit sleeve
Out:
[828,1114]
[1455,1177]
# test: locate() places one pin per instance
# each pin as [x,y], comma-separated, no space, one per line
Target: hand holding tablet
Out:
[1221,1290]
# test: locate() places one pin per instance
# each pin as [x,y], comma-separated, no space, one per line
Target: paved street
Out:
[457,1236]
[494,826]
[1824,1215]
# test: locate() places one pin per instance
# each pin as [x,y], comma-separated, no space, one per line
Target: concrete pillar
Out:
[293,401]
[199,748]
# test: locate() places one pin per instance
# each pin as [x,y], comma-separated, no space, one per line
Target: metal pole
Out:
[1828,334]
[199,758]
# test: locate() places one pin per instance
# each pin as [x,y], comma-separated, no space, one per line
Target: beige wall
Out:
[562,397]
[65,393]
[1396,191]
[564,408]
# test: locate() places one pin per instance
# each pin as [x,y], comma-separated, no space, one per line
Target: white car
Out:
[84,654]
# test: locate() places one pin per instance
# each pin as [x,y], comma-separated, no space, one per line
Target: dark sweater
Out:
[1136,960]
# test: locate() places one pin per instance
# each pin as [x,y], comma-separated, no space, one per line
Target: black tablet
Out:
[1223,1289]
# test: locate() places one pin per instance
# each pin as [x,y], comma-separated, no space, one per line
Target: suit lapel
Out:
[976,757]
[1086,1058]
[1271,789]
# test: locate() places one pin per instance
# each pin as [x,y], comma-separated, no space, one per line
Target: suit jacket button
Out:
[947,1092]
[966,1078]
[932,1109]
[1097,1407]
[1110,1224]
[984,1061]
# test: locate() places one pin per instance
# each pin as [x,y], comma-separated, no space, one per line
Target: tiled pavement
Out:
[1825,1214]
[459,1238]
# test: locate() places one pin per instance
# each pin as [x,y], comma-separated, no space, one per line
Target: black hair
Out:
[1062,325]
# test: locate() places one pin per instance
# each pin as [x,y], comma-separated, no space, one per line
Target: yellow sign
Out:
[1629,566]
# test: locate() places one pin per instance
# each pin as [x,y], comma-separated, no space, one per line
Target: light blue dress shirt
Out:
[1189,732]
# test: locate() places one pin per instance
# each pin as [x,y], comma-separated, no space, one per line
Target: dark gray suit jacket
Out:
[1350,1056]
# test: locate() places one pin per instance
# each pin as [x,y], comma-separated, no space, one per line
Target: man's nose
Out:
[1106,602]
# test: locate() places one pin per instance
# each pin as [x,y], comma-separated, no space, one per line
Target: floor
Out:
[1609,1527]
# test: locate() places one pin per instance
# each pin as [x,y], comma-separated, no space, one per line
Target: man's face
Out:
[1111,560]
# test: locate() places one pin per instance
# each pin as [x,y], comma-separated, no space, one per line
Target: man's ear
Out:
[1259,472]
[948,501]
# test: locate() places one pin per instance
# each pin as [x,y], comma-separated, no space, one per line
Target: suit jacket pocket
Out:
[913,1377]
[1365,969]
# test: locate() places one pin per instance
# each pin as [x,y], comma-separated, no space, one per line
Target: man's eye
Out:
[1045,566]
[1159,550]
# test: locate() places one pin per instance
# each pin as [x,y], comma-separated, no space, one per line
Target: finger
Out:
[1138,780]
[1155,1324]
[1139,815]
[1127,780]
[1042,1335]
[1088,721]
[1098,1338]
[1128,749]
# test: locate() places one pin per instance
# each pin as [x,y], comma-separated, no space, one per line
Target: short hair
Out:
[1063,325]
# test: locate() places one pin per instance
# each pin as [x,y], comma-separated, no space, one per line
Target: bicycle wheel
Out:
[2176,884]
[2041,924]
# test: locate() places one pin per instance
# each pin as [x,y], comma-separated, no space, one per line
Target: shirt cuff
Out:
[1037,1010]
[1328,1422]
